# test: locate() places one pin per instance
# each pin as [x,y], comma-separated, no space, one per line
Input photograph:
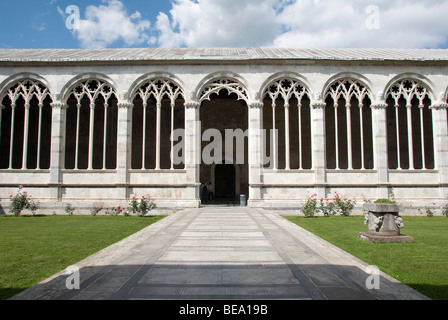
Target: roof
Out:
[213,54]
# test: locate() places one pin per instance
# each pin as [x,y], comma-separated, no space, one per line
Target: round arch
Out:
[351,76]
[29,119]
[217,81]
[70,85]
[428,84]
[130,95]
[284,75]
[6,85]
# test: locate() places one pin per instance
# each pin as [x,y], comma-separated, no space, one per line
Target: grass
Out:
[34,248]
[423,264]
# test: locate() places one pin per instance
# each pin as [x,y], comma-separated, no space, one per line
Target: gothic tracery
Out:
[95,105]
[29,108]
[228,84]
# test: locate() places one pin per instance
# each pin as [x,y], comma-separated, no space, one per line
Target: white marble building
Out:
[94,126]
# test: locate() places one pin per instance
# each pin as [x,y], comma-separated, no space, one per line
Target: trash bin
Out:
[243,200]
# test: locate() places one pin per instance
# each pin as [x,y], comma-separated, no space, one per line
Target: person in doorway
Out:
[211,193]
[204,193]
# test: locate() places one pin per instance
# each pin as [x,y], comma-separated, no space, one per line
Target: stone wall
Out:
[312,166]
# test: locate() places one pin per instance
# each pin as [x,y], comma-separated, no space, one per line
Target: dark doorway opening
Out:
[225,181]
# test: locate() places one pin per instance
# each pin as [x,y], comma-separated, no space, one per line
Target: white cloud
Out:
[218,23]
[342,23]
[304,23]
[271,23]
[107,23]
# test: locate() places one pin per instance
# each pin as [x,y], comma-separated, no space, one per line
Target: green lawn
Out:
[34,248]
[422,264]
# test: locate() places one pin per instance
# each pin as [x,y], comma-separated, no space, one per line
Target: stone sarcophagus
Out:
[384,223]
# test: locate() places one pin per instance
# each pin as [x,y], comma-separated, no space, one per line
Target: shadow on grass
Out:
[436,292]
[6,293]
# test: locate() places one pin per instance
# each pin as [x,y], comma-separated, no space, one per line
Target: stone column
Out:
[319,147]
[145,106]
[124,144]
[173,104]
[78,116]
[287,138]
[440,132]
[91,134]
[410,137]
[25,136]
[39,135]
[11,145]
[58,125]
[299,112]
[336,134]
[349,136]
[361,125]
[192,151]
[274,137]
[158,132]
[255,152]
[106,109]
[397,136]
[380,152]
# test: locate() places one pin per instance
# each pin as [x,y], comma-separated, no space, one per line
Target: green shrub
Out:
[22,201]
[344,205]
[385,201]
[310,206]
[69,209]
[141,207]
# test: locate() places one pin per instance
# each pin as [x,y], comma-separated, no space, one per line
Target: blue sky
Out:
[232,23]
[38,24]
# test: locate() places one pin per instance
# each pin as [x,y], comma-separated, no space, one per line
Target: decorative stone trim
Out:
[232,86]
[192,105]
[125,105]
[256,105]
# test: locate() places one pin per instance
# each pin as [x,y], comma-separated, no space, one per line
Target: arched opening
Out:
[91,127]
[287,125]
[348,121]
[409,126]
[25,126]
[224,124]
[158,111]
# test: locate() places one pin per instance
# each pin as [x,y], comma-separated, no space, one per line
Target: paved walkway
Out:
[221,253]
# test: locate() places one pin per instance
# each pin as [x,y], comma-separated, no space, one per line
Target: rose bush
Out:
[21,200]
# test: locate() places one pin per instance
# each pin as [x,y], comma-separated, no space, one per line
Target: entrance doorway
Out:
[225,175]
[223,113]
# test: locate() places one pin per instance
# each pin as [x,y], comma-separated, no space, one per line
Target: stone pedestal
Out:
[384,223]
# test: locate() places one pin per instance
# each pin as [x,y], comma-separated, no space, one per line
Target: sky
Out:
[73,24]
